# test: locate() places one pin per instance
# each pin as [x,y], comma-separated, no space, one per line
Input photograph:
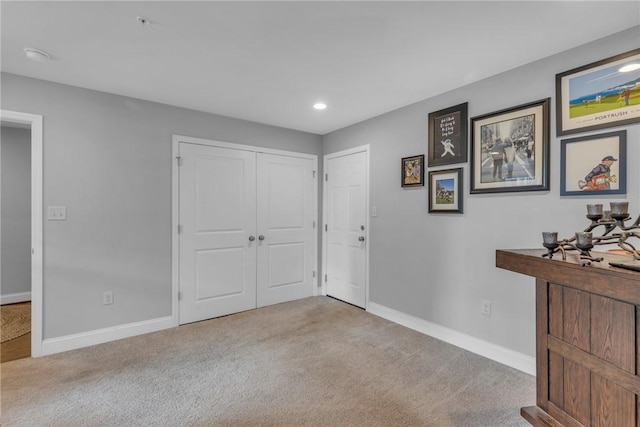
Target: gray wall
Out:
[107,158]
[439,267]
[15,155]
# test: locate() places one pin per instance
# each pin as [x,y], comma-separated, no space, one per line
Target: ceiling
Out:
[269,62]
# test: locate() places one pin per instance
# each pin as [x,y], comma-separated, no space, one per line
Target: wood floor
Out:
[16,348]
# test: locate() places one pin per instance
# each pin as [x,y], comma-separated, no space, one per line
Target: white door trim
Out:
[359,149]
[175,206]
[213,143]
[35,122]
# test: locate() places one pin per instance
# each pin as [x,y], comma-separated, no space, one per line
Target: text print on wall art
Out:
[600,95]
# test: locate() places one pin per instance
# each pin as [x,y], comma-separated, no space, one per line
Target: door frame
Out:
[37,218]
[325,206]
[175,207]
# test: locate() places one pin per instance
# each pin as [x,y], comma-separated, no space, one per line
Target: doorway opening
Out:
[16,298]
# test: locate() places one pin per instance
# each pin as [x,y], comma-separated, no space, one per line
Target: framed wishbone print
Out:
[594,165]
[448,136]
[413,171]
[445,191]
[600,95]
[510,149]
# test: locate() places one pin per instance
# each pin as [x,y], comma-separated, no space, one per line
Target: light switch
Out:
[374,211]
[57,213]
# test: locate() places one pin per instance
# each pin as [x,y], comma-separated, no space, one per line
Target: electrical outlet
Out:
[486,308]
[56,213]
[107,298]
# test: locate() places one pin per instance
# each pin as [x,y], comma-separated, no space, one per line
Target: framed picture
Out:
[413,171]
[445,191]
[594,165]
[448,136]
[600,95]
[510,149]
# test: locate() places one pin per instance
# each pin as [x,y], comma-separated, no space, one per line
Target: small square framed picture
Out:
[413,171]
[445,191]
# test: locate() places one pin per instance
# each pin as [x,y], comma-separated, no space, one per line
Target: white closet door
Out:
[346,220]
[286,231]
[217,217]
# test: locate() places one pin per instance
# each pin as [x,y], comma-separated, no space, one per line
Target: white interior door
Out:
[217,218]
[346,215]
[286,241]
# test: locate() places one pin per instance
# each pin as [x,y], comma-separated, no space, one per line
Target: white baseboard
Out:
[99,336]
[14,298]
[500,354]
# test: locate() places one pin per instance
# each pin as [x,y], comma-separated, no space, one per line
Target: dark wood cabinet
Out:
[587,339]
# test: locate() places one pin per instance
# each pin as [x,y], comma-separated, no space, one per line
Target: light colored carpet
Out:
[312,362]
[15,320]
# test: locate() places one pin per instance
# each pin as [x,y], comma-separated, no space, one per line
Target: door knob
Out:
[251,238]
[261,237]
[361,238]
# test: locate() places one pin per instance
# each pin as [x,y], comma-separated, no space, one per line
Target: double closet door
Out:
[247,230]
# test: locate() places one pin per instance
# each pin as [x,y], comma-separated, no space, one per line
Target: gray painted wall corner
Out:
[440,267]
[107,158]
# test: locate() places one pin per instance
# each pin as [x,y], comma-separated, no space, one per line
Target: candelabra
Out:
[613,229]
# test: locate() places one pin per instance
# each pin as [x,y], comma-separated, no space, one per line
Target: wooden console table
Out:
[587,339]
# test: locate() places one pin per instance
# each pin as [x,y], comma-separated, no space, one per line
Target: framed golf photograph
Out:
[413,171]
[594,165]
[448,136]
[600,95]
[510,149]
[445,191]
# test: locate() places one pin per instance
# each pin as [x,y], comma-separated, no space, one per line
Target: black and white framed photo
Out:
[594,165]
[510,149]
[448,136]
[445,191]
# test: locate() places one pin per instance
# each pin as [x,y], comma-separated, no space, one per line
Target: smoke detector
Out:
[36,54]
[144,22]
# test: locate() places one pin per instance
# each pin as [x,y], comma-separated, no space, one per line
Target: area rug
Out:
[16,320]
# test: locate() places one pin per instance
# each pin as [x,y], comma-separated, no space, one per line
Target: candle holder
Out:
[550,241]
[620,210]
[584,240]
[595,212]
[612,226]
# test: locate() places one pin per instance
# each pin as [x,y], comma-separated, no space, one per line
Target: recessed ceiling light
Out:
[319,106]
[36,54]
[629,67]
